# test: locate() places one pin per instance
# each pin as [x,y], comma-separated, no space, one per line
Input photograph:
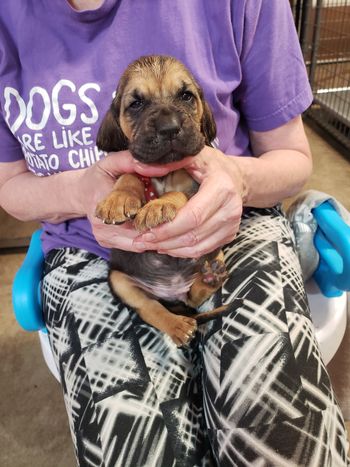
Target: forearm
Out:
[62,196]
[54,199]
[282,165]
[274,176]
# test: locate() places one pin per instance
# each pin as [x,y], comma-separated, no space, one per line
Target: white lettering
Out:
[56,143]
[26,141]
[54,161]
[8,92]
[69,139]
[42,161]
[86,136]
[31,142]
[63,104]
[46,112]
[70,108]
[84,157]
[73,138]
[38,144]
[89,102]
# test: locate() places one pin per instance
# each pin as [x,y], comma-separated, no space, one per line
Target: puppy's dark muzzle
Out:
[166,136]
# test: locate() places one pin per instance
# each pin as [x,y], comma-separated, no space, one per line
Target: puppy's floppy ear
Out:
[110,136]
[208,125]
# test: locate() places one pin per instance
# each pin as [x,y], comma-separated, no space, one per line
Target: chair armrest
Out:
[26,297]
[332,241]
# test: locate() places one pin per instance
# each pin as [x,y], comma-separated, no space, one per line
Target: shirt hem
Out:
[284,114]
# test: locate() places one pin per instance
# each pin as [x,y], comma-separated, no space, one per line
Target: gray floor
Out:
[33,425]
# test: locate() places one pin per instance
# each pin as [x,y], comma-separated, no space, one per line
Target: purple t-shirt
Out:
[59,69]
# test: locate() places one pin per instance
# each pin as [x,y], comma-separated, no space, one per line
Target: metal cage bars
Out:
[324,31]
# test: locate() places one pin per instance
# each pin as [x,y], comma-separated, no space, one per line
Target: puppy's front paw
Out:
[154,213]
[118,207]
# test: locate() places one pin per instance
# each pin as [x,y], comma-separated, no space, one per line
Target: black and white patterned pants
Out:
[251,390]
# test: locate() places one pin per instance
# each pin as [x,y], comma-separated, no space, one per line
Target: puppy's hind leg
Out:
[208,281]
[198,294]
[181,329]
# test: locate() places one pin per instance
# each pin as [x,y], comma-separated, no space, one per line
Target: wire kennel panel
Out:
[324,31]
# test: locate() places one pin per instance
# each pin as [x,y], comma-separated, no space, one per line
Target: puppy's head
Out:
[158,113]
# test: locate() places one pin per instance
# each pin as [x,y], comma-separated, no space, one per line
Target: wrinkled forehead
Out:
[158,81]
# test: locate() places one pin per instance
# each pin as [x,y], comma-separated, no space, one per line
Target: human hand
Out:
[211,218]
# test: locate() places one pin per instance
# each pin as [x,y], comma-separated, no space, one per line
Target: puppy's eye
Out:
[187,96]
[136,104]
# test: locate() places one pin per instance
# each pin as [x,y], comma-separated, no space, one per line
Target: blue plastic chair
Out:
[332,241]
[26,298]
[26,293]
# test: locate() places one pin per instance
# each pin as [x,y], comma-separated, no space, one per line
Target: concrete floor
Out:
[33,424]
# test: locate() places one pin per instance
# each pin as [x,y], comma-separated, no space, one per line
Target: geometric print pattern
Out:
[250,390]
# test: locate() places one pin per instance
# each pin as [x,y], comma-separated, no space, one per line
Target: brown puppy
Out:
[160,115]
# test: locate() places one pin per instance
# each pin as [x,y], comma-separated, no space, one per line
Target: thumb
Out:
[159,170]
[116,163]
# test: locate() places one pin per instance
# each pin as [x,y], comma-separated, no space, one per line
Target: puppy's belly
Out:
[162,276]
[176,288]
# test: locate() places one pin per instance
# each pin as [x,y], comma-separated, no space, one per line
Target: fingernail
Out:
[148,237]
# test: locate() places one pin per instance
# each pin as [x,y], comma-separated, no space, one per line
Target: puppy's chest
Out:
[179,180]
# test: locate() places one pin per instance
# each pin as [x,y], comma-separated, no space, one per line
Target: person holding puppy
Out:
[251,387]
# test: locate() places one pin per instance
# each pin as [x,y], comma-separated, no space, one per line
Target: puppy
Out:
[160,115]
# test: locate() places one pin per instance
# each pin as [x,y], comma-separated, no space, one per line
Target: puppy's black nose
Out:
[168,125]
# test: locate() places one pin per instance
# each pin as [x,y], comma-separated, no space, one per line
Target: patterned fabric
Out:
[250,390]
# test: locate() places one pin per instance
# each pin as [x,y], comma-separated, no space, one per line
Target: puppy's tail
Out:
[206,316]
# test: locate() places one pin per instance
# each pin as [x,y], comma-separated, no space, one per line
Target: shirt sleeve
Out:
[274,86]
[10,148]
